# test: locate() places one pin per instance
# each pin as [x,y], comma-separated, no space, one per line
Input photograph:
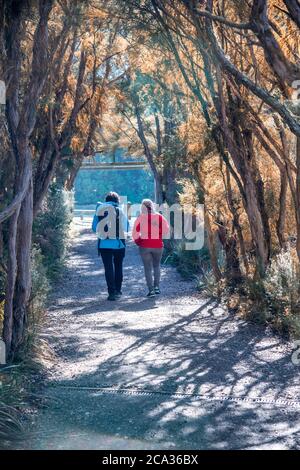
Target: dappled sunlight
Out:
[187,370]
[180,121]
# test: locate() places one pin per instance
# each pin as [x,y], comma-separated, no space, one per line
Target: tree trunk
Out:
[21,119]
[10,282]
[211,241]
[158,189]
[169,178]
[280,225]
[232,271]
[293,7]
[239,145]
[298,195]
[23,279]
[236,221]
[286,71]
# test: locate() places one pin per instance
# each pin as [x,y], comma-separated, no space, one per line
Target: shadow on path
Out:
[172,372]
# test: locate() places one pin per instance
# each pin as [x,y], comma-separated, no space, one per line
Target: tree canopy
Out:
[207,90]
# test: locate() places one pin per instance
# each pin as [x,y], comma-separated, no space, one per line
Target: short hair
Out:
[112,197]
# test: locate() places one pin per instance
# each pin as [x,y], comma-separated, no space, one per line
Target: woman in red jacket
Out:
[148,232]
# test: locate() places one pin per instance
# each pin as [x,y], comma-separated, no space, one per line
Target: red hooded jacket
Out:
[149,230]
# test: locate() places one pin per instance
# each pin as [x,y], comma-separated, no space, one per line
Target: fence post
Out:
[2,92]
[2,353]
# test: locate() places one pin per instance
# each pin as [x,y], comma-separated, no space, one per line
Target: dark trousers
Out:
[113,266]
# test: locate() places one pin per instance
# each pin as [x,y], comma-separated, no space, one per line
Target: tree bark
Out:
[285,71]
[280,225]
[298,196]
[243,80]
[211,241]
[21,122]
[53,145]
[10,282]
[23,278]
[232,271]
[293,7]
[241,152]
[236,220]
[159,197]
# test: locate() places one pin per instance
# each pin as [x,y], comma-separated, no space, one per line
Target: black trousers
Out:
[113,266]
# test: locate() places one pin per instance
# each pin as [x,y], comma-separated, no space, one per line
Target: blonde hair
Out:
[148,204]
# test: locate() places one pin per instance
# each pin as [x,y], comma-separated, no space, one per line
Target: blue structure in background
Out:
[117,171]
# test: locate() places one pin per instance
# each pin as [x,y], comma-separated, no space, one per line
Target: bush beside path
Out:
[176,371]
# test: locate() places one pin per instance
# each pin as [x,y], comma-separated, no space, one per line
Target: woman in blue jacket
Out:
[110,224]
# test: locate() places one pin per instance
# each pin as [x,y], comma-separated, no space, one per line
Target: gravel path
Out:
[171,372]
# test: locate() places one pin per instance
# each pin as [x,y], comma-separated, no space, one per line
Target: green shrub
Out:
[50,235]
[190,263]
[39,294]
[274,300]
[40,282]
[282,287]
[51,229]
[11,401]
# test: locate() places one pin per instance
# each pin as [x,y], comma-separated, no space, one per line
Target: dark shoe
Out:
[151,293]
[118,295]
[157,290]
[111,297]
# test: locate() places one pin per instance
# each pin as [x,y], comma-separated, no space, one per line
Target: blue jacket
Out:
[115,241]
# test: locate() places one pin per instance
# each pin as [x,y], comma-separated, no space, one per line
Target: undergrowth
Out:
[189,263]
[19,382]
[273,300]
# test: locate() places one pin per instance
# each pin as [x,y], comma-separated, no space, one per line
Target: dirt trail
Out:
[171,372]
